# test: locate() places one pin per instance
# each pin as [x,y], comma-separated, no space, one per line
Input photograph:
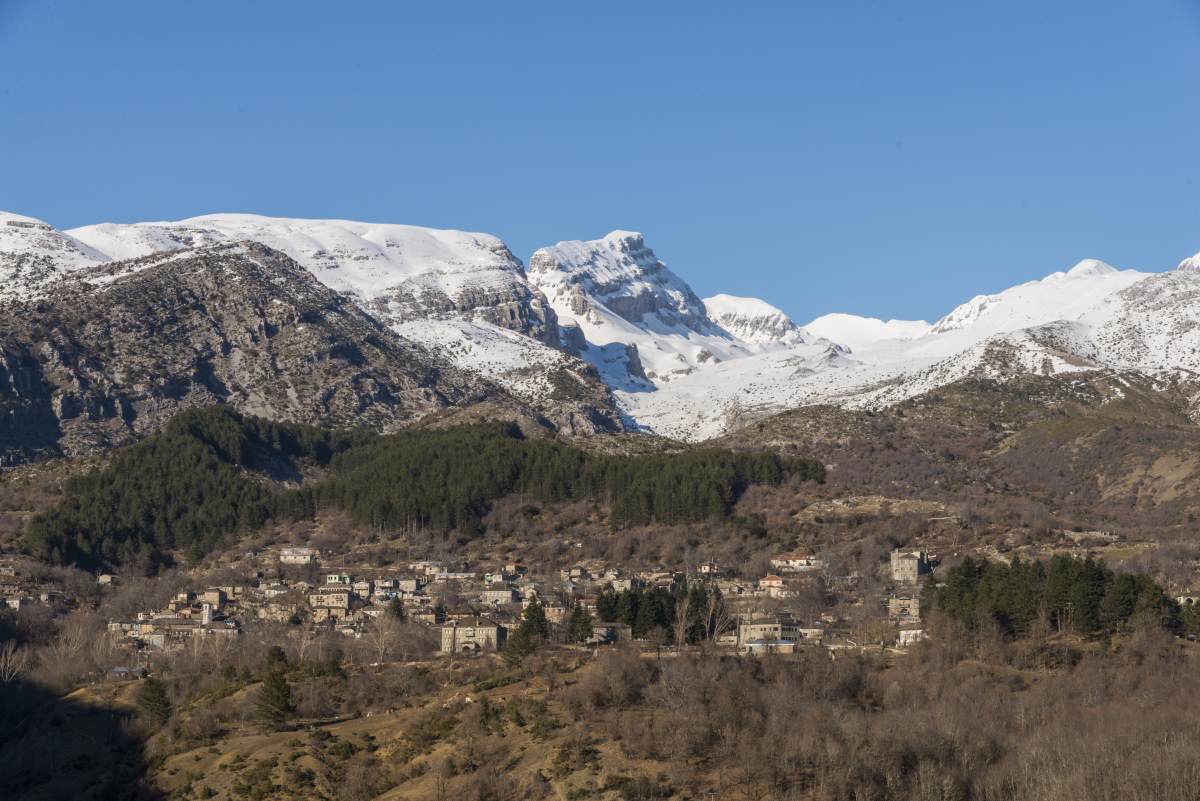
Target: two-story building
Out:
[472,636]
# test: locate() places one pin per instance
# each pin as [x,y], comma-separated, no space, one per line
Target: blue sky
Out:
[882,158]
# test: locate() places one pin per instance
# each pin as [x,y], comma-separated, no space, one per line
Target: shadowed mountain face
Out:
[54,748]
[114,351]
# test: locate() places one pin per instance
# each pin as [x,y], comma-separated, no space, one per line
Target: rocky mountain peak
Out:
[621,275]
[33,253]
[753,320]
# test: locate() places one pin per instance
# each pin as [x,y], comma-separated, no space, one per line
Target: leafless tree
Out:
[717,619]
[14,661]
[683,619]
[383,633]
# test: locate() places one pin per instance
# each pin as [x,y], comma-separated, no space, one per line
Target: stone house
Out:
[472,636]
[904,608]
[909,566]
[499,597]
[329,603]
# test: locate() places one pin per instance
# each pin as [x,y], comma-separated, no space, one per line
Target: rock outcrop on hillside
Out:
[115,350]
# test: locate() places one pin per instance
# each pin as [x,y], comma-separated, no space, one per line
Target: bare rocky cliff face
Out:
[113,351]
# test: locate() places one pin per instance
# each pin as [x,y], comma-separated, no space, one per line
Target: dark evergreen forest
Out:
[204,478]
[1066,593]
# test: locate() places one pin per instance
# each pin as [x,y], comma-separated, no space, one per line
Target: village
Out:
[471,609]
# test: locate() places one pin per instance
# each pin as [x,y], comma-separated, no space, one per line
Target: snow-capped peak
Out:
[621,273]
[617,292]
[753,320]
[1088,267]
[1058,296]
[34,252]
[857,332]
[1190,263]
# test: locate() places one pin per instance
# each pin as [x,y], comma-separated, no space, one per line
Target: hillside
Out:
[1103,450]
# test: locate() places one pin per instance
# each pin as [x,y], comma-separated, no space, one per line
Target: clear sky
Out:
[883,158]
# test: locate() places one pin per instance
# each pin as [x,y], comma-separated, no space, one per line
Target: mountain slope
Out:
[397,272]
[856,332]
[601,334]
[33,253]
[755,321]
[113,351]
[462,296]
[1090,318]
[615,292]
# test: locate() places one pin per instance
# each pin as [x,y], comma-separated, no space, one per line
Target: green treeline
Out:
[447,479]
[647,609]
[1066,593]
[186,487]
[200,479]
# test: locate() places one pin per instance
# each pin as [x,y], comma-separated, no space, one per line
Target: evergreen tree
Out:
[1080,594]
[579,626]
[152,698]
[1119,602]
[607,604]
[534,621]
[627,606]
[276,659]
[1087,593]
[274,704]
[697,601]
[396,609]
[533,630]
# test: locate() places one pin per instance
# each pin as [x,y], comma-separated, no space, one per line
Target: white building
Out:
[297,555]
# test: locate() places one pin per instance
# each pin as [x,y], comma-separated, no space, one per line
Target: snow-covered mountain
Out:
[755,321]
[462,297]
[675,364]
[1091,317]
[33,253]
[400,272]
[621,299]
[640,324]
[1190,263]
[856,332]
[1058,296]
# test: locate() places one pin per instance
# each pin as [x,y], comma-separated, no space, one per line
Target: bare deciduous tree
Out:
[14,661]
[383,634]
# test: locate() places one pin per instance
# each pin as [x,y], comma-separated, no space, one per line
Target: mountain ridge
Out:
[608,320]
